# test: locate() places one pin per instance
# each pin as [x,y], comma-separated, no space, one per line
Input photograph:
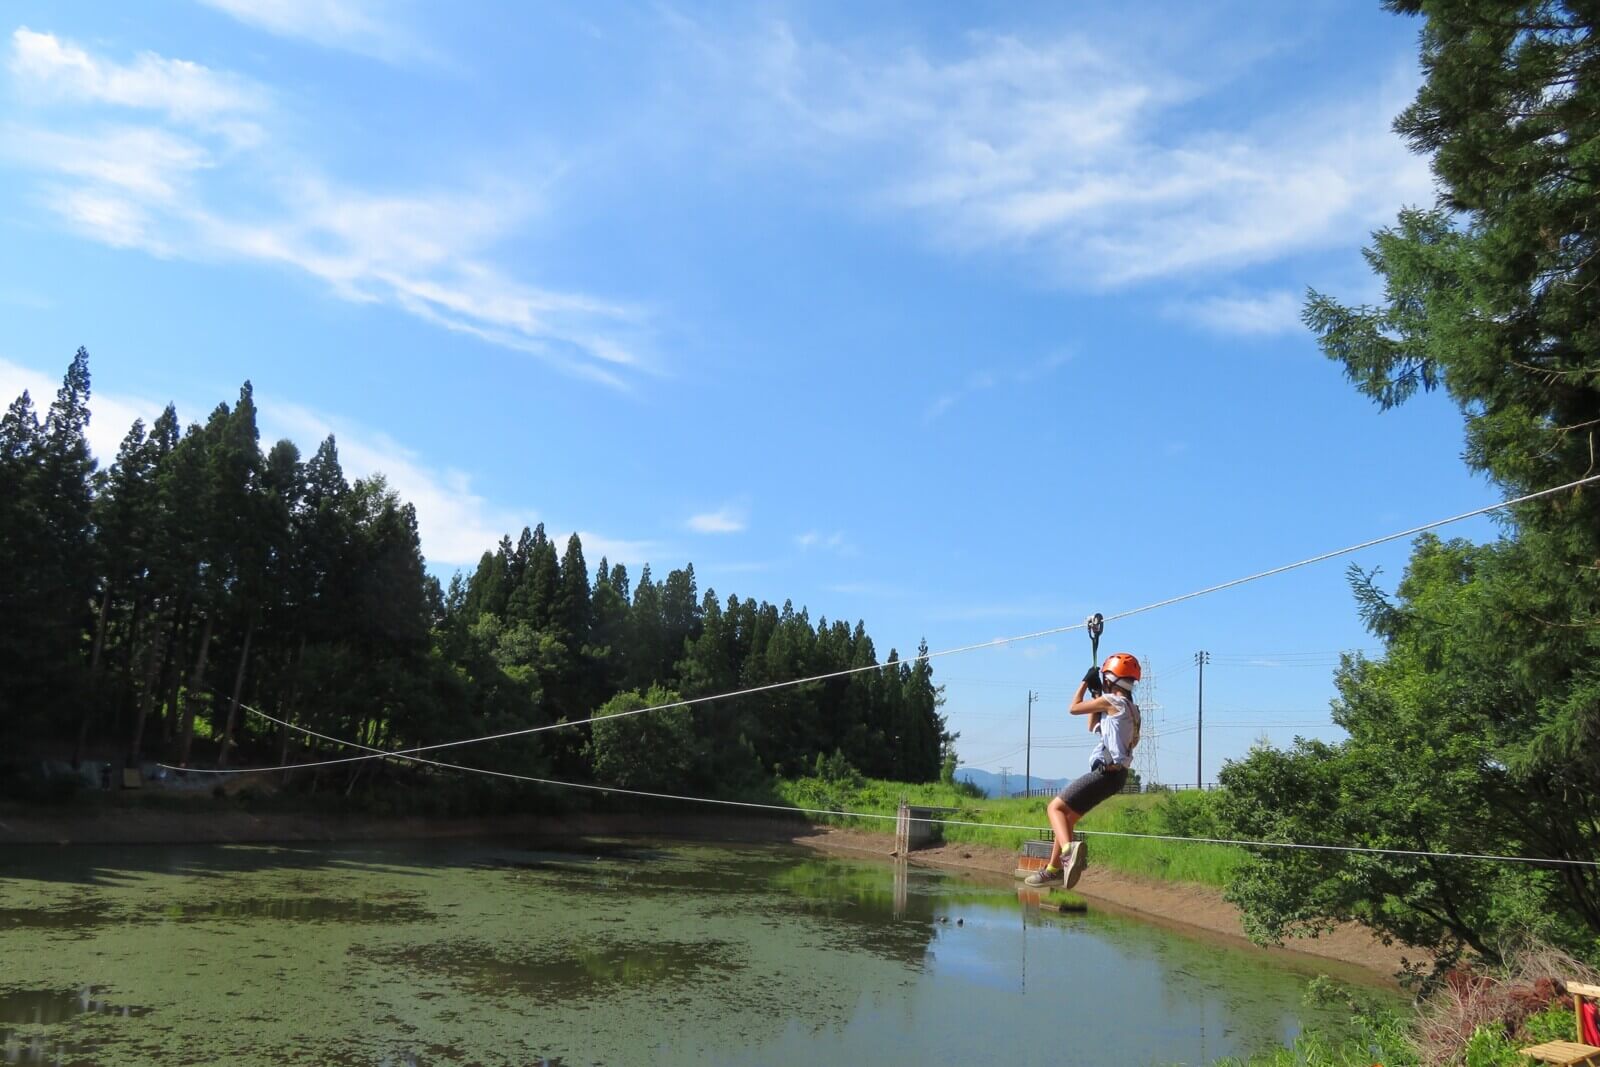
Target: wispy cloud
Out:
[366,28]
[457,524]
[982,381]
[1022,609]
[744,567]
[1073,150]
[110,416]
[185,92]
[455,521]
[26,298]
[828,542]
[730,518]
[144,163]
[878,590]
[193,187]
[942,404]
[1257,315]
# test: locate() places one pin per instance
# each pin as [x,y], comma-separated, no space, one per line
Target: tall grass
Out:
[1179,814]
[1476,1019]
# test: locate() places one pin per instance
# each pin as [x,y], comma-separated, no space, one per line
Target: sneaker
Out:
[1076,863]
[1044,876]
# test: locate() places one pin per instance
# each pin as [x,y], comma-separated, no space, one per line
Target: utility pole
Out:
[1200,659]
[1027,774]
[1005,781]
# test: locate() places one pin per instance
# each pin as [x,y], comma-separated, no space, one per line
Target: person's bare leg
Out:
[1061,820]
[1076,859]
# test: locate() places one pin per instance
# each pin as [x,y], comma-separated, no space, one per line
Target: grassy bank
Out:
[1180,814]
[1382,1037]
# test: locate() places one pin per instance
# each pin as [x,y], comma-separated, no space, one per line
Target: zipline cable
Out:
[378,753]
[995,643]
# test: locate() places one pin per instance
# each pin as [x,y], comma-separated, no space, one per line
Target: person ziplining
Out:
[1113,714]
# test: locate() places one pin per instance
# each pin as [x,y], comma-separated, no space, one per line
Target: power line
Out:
[994,643]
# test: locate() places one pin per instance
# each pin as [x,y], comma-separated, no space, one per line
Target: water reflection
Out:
[44,1006]
[579,972]
[27,1014]
[615,953]
[300,909]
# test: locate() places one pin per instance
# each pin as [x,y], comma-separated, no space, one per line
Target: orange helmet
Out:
[1122,669]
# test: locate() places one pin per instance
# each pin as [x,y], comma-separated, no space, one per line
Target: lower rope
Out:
[1357,849]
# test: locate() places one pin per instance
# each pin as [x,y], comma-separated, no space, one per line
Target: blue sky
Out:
[964,320]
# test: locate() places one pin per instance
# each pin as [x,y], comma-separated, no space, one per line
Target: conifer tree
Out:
[572,607]
[1478,722]
[21,534]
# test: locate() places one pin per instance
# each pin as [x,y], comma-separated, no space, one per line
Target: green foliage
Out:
[1445,754]
[200,576]
[653,751]
[47,555]
[1494,1045]
[836,770]
[1173,814]
[1372,1032]
[1476,730]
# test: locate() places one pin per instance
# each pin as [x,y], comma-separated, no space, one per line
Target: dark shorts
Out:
[1081,794]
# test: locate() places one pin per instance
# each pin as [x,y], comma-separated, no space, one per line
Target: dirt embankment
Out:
[1177,904]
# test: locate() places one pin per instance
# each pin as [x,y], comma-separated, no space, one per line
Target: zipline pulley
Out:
[1095,625]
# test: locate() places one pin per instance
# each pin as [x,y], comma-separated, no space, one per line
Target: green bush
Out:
[1181,814]
[1372,1033]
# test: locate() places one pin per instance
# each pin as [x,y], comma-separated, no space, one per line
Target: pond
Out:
[607,952]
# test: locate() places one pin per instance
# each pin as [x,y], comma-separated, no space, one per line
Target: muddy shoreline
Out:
[1182,906]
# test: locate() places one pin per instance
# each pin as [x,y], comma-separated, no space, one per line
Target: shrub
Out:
[1482,1018]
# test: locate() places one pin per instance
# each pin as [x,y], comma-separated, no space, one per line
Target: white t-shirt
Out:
[1119,731]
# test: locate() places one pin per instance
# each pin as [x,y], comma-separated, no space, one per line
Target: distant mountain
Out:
[989,782]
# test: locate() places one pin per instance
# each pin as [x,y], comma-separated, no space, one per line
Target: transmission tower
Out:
[1145,759]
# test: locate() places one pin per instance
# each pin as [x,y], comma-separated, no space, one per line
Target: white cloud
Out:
[110,416]
[866,589]
[983,380]
[1089,159]
[1031,609]
[365,28]
[1041,368]
[616,550]
[834,542]
[743,567]
[161,190]
[1259,315]
[455,522]
[729,518]
[26,298]
[186,92]
[142,161]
